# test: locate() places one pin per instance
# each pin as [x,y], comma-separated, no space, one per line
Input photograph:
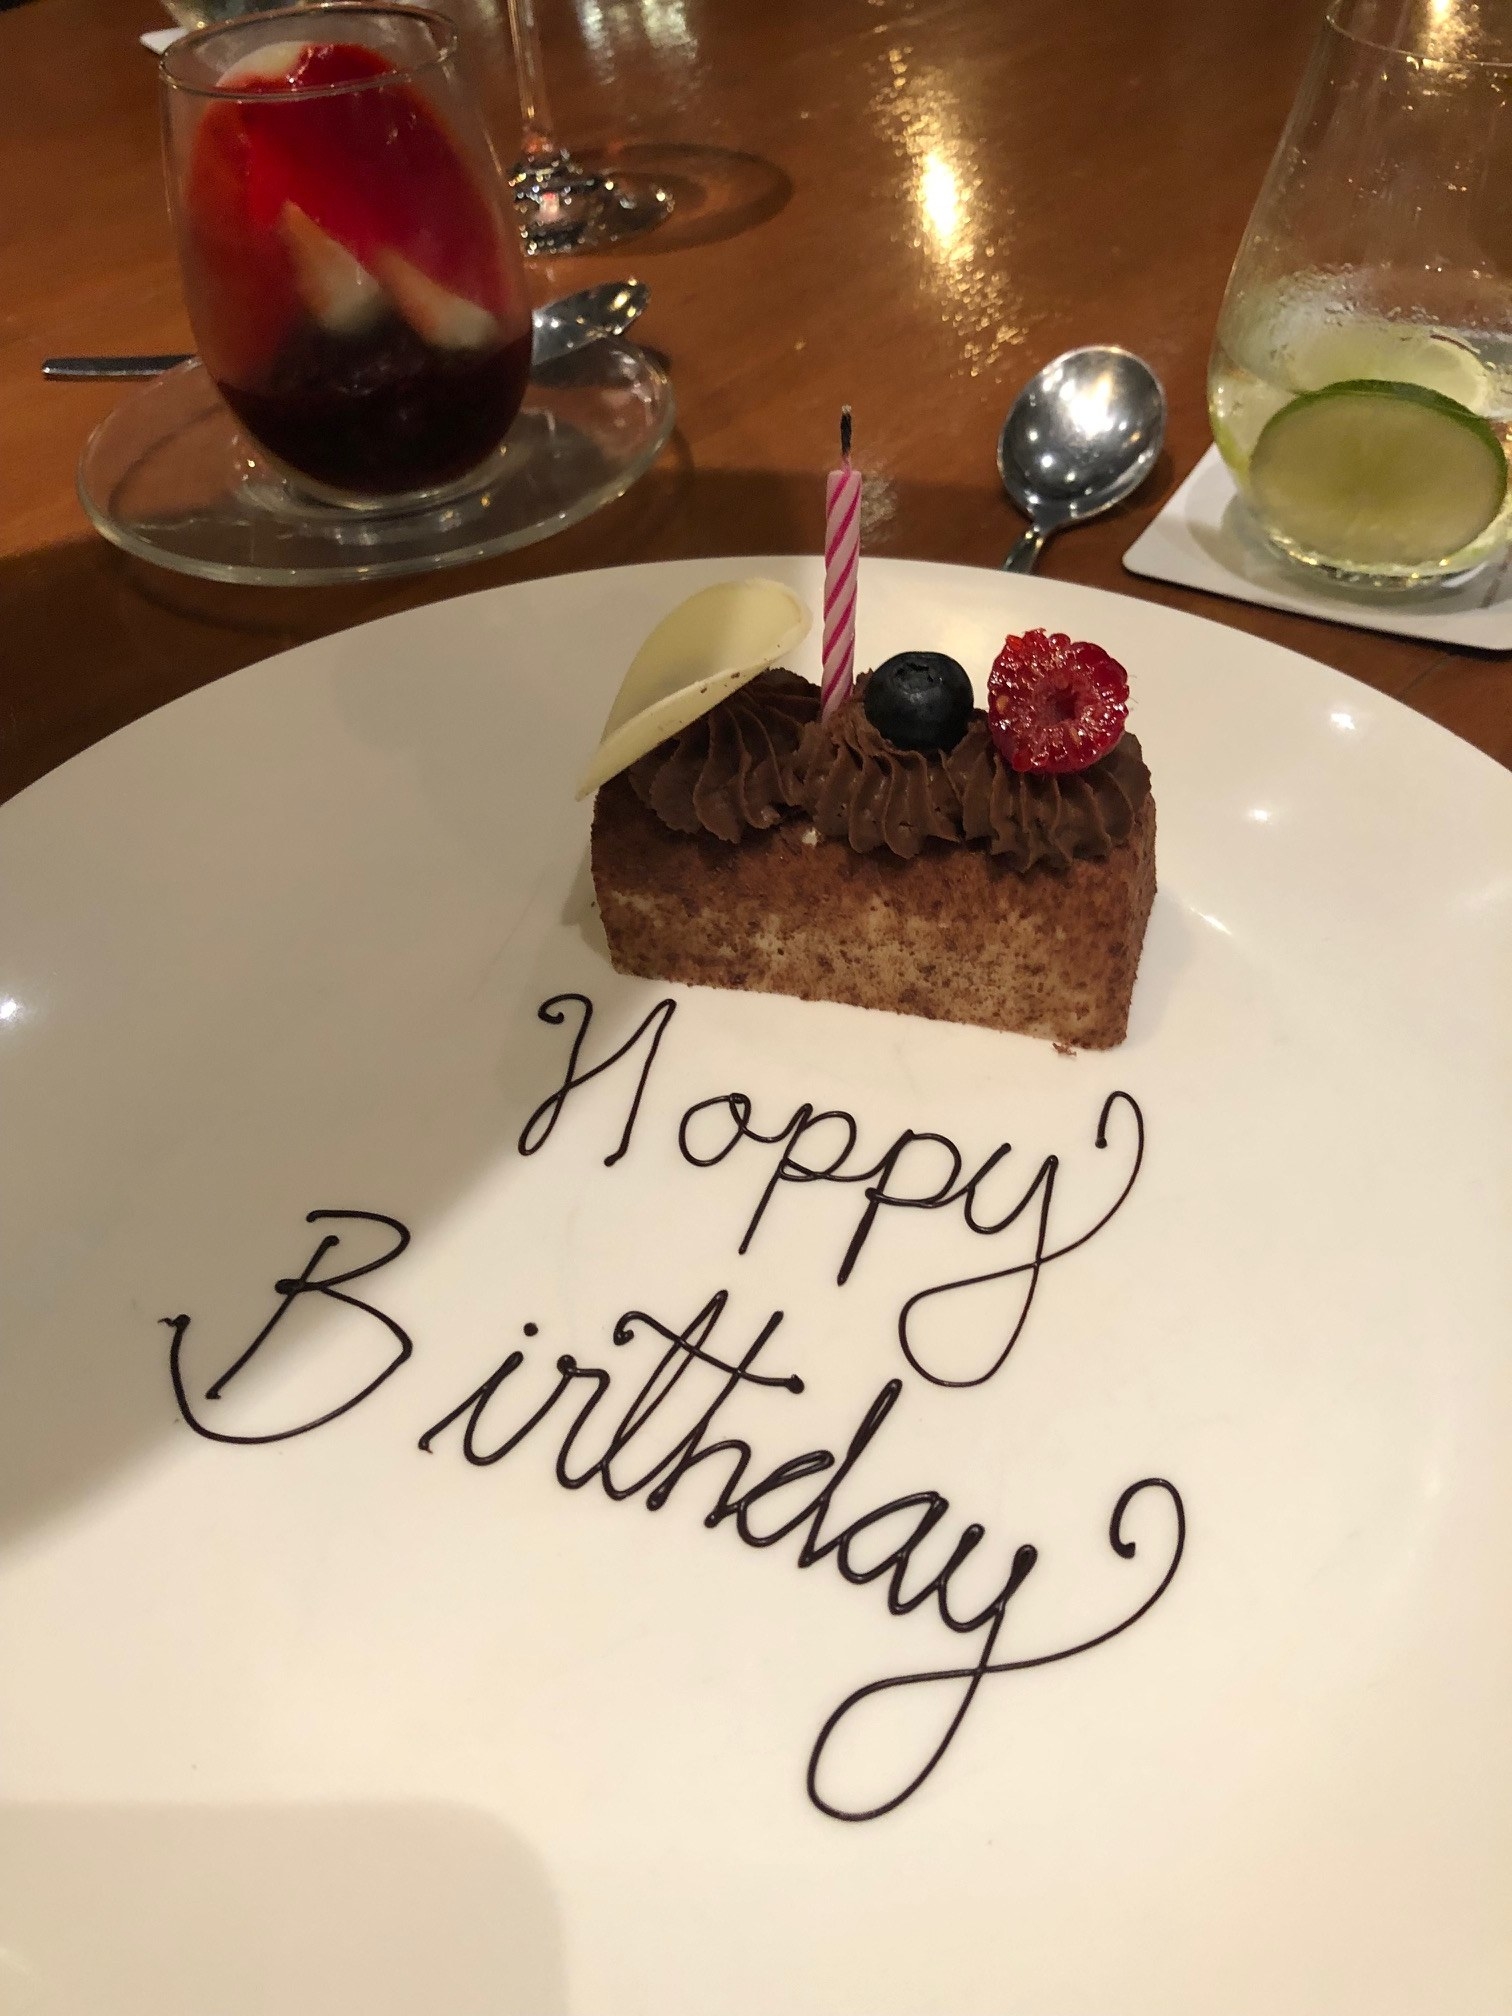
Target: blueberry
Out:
[919,700]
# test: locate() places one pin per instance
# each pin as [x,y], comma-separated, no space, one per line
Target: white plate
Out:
[326,1725]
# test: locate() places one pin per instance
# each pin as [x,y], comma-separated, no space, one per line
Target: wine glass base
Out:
[565,207]
[169,477]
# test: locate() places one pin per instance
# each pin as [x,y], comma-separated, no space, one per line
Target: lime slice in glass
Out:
[1376,473]
[1402,353]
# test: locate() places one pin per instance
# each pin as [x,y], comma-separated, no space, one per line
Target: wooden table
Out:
[943,194]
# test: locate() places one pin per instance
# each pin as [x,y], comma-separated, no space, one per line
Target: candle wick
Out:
[845,436]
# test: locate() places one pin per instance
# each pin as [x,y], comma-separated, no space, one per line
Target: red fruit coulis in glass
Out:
[370,400]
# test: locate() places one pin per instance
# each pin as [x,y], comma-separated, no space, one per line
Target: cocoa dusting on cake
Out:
[951,935]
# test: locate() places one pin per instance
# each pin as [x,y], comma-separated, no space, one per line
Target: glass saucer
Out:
[169,476]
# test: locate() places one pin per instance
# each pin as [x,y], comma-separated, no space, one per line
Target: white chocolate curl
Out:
[707,648]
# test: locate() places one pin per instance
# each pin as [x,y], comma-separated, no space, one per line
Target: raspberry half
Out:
[1054,705]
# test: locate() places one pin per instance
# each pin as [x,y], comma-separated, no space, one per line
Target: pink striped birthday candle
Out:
[842,560]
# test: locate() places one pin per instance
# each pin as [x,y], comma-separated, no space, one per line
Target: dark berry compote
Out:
[351,286]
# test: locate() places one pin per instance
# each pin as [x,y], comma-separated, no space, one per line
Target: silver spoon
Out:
[566,325]
[1081,437]
[559,328]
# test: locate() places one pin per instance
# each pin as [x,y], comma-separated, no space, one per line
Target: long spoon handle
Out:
[1022,557]
[112,367]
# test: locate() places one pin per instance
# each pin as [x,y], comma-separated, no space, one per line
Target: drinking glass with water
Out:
[1360,387]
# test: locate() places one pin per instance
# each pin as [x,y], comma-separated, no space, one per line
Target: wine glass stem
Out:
[538,141]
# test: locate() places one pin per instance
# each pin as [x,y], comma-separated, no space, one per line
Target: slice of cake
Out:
[900,853]
[1041,936]
[906,851]
[954,932]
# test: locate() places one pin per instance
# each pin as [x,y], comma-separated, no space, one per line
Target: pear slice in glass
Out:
[707,648]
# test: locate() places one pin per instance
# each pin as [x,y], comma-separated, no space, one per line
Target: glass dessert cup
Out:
[1360,385]
[350,262]
[363,405]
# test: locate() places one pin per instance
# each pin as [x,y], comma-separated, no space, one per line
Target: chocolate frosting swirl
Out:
[858,788]
[1029,819]
[731,771]
[763,755]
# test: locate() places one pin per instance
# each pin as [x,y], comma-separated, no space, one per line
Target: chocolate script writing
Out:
[638,1435]
[712,1130]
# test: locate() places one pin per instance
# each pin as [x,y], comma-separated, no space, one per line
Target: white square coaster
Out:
[1203,539]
